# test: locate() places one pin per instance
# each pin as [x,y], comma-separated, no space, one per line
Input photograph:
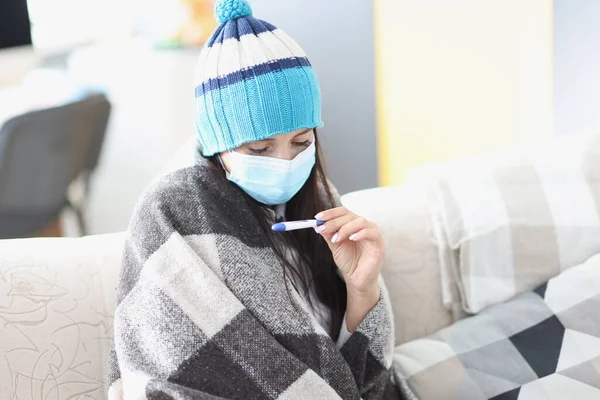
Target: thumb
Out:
[328,236]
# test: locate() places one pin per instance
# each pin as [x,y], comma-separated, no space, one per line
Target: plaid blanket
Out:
[204,312]
[540,345]
[505,223]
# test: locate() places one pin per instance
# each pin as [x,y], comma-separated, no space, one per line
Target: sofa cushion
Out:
[411,269]
[543,344]
[514,219]
[57,302]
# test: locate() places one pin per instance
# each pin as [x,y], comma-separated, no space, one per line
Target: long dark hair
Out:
[313,267]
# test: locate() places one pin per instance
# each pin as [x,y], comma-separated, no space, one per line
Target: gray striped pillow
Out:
[505,223]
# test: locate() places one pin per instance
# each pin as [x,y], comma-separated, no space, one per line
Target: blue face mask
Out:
[271,180]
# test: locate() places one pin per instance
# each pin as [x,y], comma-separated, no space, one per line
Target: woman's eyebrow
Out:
[304,132]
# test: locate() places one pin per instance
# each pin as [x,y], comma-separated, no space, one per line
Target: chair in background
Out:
[41,154]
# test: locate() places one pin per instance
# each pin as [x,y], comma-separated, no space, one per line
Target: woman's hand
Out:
[358,250]
[357,246]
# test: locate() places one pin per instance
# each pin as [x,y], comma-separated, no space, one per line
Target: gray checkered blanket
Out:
[204,311]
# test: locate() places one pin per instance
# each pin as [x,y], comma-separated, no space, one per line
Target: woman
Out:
[212,303]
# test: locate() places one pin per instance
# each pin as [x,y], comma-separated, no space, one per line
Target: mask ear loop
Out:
[221,162]
[227,173]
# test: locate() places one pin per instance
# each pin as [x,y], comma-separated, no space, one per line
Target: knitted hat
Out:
[252,82]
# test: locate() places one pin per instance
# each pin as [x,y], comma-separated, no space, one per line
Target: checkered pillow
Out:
[539,345]
[505,223]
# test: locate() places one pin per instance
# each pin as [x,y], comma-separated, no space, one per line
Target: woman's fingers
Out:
[356,225]
[332,214]
[328,236]
[333,225]
[341,224]
[366,234]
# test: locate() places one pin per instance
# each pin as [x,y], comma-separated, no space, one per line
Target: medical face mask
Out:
[271,180]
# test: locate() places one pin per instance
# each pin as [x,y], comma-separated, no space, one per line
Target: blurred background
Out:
[96,96]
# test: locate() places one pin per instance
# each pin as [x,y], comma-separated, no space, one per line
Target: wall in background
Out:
[576,65]
[462,77]
[338,37]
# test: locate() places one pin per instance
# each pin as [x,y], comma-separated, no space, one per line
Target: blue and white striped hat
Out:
[252,82]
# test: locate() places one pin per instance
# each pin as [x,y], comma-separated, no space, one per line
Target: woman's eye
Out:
[306,143]
[257,151]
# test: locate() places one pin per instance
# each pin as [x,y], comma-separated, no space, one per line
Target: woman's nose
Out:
[285,155]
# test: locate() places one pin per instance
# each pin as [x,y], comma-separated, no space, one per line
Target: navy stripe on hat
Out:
[249,73]
[237,28]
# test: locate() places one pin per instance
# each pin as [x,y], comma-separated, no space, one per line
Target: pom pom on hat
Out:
[228,10]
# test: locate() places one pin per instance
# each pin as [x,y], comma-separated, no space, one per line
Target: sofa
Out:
[57,296]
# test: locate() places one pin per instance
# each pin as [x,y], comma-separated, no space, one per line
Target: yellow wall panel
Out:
[460,77]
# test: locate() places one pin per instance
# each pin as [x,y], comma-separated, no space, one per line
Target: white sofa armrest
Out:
[411,268]
[57,301]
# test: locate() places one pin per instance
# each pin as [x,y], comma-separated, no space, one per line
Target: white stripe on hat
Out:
[235,55]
